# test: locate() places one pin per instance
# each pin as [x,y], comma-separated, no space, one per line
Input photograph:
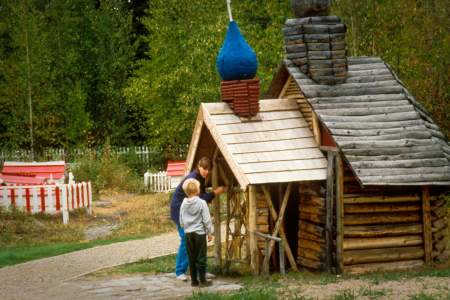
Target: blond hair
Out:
[191,187]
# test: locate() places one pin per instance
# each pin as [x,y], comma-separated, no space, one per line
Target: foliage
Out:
[69,59]
[106,172]
[135,72]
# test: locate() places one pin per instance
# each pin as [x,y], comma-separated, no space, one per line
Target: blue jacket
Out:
[179,195]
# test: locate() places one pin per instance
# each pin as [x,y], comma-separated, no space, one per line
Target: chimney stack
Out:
[315,42]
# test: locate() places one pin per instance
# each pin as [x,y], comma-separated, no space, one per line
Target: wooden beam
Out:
[194,141]
[254,252]
[316,129]
[285,87]
[278,224]
[216,209]
[426,217]
[339,214]
[329,209]
[274,215]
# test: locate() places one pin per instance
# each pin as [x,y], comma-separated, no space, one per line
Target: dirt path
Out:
[36,278]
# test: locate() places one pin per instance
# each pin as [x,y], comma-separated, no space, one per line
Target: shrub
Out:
[106,171]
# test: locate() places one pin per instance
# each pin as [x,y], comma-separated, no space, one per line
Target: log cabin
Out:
[338,160]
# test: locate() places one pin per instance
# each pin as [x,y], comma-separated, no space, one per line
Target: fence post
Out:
[65,203]
[89,193]
[50,200]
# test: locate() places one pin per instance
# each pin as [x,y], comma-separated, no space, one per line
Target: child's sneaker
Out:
[182,277]
[210,275]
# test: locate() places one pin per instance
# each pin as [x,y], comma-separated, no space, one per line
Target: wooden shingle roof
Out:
[384,133]
[279,147]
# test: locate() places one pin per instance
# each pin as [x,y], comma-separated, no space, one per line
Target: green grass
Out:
[371,293]
[246,294]
[423,296]
[345,295]
[14,255]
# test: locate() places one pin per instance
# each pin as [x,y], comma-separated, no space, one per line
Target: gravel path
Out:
[41,279]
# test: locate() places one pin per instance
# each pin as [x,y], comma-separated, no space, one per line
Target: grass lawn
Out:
[25,237]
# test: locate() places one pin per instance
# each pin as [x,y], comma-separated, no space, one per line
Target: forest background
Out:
[82,73]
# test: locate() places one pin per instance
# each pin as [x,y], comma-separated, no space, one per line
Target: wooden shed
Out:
[341,163]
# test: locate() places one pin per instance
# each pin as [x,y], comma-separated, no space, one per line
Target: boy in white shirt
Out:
[196,221]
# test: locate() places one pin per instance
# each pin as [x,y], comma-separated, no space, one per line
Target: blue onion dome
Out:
[236,59]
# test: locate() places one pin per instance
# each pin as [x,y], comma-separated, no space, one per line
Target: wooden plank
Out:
[413,179]
[364,111]
[407,163]
[382,267]
[424,134]
[356,67]
[316,91]
[308,253]
[381,207]
[392,151]
[264,136]
[352,198]
[340,230]
[266,105]
[366,219]
[313,218]
[360,124]
[254,253]
[398,171]
[216,211]
[353,257]
[274,215]
[329,207]
[265,116]
[287,176]
[357,99]
[282,166]
[405,156]
[426,217]
[263,126]
[194,141]
[358,105]
[382,242]
[291,144]
[285,87]
[243,182]
[283,155]
[358,143]
[403,116]
[382,230]
[316,129]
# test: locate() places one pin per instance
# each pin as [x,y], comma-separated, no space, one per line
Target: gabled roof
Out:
[384,133]
[279,147]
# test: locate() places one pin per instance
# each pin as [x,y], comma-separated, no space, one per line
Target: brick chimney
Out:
[315,42]
[237,65]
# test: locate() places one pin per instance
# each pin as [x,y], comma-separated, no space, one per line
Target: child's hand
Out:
[210,237]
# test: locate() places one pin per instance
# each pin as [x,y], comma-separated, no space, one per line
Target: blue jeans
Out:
[182,261]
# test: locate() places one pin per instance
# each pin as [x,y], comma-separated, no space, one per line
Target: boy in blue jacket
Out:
[200,174]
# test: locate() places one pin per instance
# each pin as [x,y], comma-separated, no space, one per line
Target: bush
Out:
[106,171]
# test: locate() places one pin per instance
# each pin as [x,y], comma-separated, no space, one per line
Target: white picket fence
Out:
[51,199]
[157,182]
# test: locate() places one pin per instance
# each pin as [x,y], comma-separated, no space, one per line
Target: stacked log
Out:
[311,234]
[292,91]
[317,46]
[440,228]
[383,229]
[262,219]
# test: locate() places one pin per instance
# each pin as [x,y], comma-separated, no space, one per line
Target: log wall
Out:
[383,228]
[311,234]
[440,228]
[262,219]
[291,91]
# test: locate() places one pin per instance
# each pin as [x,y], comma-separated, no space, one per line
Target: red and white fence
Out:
[51,199]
